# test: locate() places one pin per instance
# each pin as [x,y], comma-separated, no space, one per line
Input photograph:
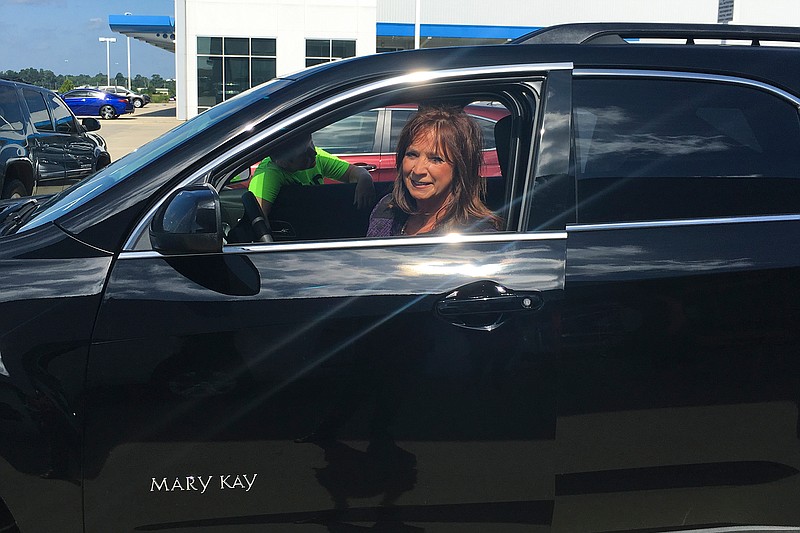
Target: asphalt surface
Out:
[128,132]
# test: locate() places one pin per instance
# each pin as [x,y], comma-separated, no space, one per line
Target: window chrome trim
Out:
[359,243]
[678,223]
[410,79]
[683,75]
[740,529]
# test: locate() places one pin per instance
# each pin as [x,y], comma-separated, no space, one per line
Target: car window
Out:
[65,122]
[306,212]
[651,149]
[487,127]
[10,114]
[40,114]
[399,119]
[352,135]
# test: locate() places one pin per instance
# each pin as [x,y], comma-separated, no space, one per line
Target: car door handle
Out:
[484,305]
[367,166]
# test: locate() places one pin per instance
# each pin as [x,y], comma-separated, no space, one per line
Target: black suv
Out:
[43,147]
[624,355]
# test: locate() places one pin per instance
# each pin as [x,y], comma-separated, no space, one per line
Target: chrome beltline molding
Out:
[350,244]
[678,223]
[740,529]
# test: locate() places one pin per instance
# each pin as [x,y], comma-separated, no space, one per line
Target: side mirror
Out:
[91,124]
[190,221]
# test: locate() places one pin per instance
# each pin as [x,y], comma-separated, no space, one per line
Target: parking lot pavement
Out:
[128,132]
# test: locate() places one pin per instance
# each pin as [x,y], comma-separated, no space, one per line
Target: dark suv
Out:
[43,147]
[623,355]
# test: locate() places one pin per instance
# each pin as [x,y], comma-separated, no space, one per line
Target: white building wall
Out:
[767,12]
[289,22]
[537,13]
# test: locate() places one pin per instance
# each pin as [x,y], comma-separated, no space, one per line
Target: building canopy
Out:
[158,30]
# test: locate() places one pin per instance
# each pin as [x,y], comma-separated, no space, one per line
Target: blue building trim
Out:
[141,24]
[399,29]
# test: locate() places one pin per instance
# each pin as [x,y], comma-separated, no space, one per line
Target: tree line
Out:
[64,82]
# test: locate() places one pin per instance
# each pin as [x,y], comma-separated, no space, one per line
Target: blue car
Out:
[92,103]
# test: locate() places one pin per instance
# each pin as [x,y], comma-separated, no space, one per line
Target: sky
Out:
[62,36]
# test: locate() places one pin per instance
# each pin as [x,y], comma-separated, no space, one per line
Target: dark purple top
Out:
[387,222]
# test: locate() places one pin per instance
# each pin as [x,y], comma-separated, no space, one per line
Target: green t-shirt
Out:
[269,177]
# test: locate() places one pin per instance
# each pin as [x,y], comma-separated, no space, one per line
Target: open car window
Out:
[325,212]
[366,138]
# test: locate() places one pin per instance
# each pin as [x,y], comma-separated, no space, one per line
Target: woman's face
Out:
[427,176]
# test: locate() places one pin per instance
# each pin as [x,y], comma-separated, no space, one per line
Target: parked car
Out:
[43,147]
[138,100]
[624,355]
[93,102]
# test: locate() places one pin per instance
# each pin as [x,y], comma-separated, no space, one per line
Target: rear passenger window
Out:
[10,116]
[648,149]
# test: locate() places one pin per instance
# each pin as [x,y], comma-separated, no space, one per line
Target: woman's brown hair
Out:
[460,142]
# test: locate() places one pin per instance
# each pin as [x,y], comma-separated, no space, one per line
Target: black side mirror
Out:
[190,221]
[91,124]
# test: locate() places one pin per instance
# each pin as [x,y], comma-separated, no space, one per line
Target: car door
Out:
[398,383]
[80,102]
[678,380]
[47,147]
[79,151]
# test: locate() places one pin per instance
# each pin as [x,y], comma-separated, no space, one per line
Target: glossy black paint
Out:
[51,291]
[259,354]
[681,358]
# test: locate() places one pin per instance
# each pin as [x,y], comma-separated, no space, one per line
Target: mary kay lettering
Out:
[202,483]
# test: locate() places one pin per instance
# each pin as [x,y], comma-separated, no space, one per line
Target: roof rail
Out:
[618,32]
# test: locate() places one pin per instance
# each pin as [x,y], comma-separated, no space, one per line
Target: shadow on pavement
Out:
[166,112]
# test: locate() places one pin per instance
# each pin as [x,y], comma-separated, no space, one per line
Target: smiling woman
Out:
[438,187]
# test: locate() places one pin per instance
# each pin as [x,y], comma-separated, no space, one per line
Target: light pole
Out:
[128,14]
[108,41]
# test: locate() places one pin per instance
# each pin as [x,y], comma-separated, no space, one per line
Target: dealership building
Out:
[223,47]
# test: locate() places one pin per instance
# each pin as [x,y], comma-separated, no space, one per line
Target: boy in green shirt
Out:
[302,163]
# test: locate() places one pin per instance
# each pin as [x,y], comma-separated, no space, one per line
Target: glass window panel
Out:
[39,112]
[209,81]
[262,70]
[399,119]
[65,122]
[318,48]
[209,45]
[698,150]
[352,135]
[237,46]
[487,128]
[310,62]
[237,75]
[343,49]
[10,114]
[263,47]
